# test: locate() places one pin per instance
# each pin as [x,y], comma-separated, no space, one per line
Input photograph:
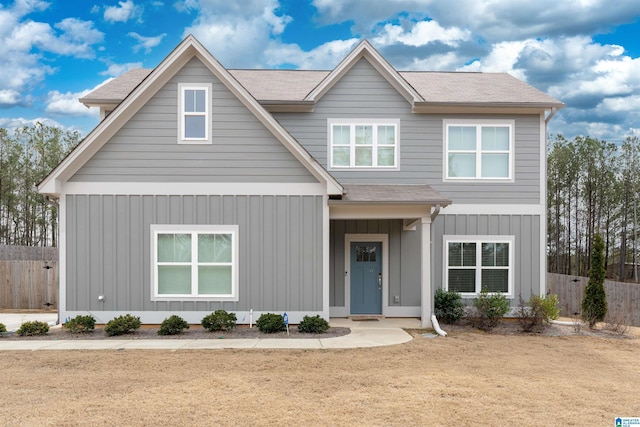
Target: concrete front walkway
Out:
[363,334]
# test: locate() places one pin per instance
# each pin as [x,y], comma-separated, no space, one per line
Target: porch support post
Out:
[425,278]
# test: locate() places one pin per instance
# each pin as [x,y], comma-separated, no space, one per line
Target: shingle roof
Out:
[461,87]
[402,194]
[294,85]
[117,89]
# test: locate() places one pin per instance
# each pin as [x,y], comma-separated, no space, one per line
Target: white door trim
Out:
[384,239]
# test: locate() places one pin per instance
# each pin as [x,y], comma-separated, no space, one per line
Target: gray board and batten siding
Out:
[145,149]
[526,253]
[108,250]
[404,259]
[364,94]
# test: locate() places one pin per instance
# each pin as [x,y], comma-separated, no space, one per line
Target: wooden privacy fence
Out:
[28,278]
[622,297]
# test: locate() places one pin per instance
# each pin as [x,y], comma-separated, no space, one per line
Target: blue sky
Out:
[584,52]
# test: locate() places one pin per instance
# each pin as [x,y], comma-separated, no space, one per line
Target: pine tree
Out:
[594,304]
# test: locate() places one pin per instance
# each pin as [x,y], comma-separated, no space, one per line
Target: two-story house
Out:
[355,191]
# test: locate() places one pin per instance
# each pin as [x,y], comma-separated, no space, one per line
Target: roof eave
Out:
[485,107]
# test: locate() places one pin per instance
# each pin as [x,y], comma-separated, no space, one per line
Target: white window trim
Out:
[194,230]
[479,125]
[478,240]
[182,87]
[363,122]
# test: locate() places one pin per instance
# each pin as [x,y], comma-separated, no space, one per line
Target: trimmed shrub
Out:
[173,325]
[121,325]
[3,328]
[33,328]
[448,306]
[80,324]
[313,325]
[537,313]
[219,320]
[489,310]
[594,304]
[270,323]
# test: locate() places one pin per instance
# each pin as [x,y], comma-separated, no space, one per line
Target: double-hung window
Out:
[477,263]
[195,113]
[363,143]
[478,150]
[195,262]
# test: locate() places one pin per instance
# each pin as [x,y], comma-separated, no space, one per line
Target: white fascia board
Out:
[365,50]
[373,211]
[195,188]
[472,209]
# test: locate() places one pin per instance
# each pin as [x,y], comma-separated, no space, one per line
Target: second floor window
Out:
[363,144]
[195,114]
[478,151]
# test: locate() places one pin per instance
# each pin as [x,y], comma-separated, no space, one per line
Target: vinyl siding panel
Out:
[109,253]
[404,259]
[145,149]
[364,93]
[525,229]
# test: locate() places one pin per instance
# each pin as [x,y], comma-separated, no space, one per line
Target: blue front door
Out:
[366,278]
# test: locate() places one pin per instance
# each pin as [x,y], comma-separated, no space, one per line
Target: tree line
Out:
[592,188]
[27,155]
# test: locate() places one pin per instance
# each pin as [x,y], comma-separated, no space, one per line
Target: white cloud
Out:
[67,104]
[123,12]
[237,33]
[325,56]
[420,34]
[146,43]
[24,43]
[11,124]
[9,97]
[114,70]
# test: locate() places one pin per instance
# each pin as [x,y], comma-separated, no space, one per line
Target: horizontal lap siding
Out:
[404,259]
[364,93]
[525,228]
[145,149]
[108,250]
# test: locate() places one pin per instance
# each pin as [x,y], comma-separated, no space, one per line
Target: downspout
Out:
[436,211]
[550,116]
[434,320]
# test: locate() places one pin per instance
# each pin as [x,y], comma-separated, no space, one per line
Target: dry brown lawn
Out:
[467,379]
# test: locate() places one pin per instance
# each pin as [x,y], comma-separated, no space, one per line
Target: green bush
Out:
[537,313]
[448,306]
[219,320]
[33,328]
[81,324]
[173,325]
[489,310]
[3,328]
[313,325]
[121,325]
[271,322]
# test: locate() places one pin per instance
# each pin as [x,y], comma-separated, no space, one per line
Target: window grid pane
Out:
[209,272]
[488,156]
[363,145]
[464,263]
[364,135]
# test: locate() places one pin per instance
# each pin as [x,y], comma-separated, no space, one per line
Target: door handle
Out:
[379,280]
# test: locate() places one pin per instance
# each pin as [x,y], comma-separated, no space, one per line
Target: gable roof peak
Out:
[364,49]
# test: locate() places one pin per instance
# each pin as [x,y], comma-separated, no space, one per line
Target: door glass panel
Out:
[365,253]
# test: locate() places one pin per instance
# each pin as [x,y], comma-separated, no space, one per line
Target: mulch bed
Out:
[194,332]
